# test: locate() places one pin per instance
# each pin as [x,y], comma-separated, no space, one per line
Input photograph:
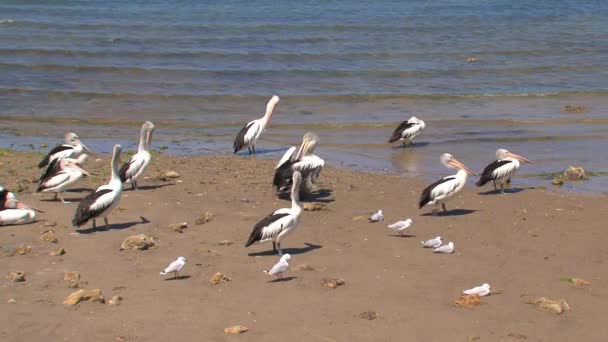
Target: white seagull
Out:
[408,130]
[377,217]
[440,191]
[280,223]
[103,200]
[279,267]
[401,226]
[501,170]
[302,160]
[72,148]
[175,267]
[446,249]
[13,211]
[249,134]
[482,290]
[131,170]
[432,243]
[61,174]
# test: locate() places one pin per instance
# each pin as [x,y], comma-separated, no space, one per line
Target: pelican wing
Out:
[59,152]
[130,168]
[268,228]
[433,190]
[51,170]
[91,206]
[240,141]
[402,127]
[286,157]
[494,171]
[54,180]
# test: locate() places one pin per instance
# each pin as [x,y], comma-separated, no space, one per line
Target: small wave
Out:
[6,21]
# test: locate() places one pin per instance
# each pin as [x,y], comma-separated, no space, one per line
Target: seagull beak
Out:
[85,147]
[27,207]
[520,158]
[457,164]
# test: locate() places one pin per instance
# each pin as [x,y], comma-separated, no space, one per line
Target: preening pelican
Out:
[72,148]
[501,170]
[61,174]
[408,130]
[131,170]
[13,211]
[440,191]
[303,161]
[278,224]
[249,134]
[101,202]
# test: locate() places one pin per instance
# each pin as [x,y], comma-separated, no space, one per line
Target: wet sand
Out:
[521,243]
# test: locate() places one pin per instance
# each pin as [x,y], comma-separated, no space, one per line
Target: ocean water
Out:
[348,70]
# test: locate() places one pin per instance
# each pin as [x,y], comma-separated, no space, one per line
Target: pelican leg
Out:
[249,148]
[56,198]
[274,247]
[502,188]
[495,188]
[253,148]
[105,220]
[279,248]
[62,199]
[134,184]
[443,206]
[94,226]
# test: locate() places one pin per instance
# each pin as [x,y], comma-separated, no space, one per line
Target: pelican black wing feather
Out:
[283,177]
[51,170]
[426,193]
[3,194]
[256,234]
[84,212]
[487,174]
[47,158]
[239,142]
[397,133]
[123,170]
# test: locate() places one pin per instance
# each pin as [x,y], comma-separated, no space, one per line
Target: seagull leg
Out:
[105,220]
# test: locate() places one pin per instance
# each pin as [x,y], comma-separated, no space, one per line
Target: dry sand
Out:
[521,243]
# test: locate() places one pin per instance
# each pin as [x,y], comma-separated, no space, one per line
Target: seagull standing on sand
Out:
[131,170]
[61,174]
[377,217]
[72,148]
[175,267]
[279,267]
[446,249]
[249,134]
[432,243]
[13,211]
[400,226]
[443,189]
[304,161]
[482,290]
[408,130]
[501,170]
[103,200]
[280,223]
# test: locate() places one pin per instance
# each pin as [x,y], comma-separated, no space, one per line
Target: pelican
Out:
[280,223]
[101,202]
[501,170]
[13,211]
[72,148]
[440,191]
[131,170]
[60,174]
[303,161]
[249,134]
[408,130]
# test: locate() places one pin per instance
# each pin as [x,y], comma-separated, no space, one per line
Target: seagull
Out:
[501,170]
[408,130]
[447,249]
[401,226]
[377,217]
[72,148]
[131,170]
[175,267]
[279,267]
[432,243]
[249,134]
[482,290]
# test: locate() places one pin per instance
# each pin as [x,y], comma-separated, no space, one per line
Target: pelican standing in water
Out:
[131,170]
[303,161]
[13,211]
[407,131]
[443,189]
[280,223]
[61,174]
[101,202]
[72,148]
[501,170]
[249,134]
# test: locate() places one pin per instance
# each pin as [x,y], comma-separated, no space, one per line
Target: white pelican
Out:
[501,170]
[303,161]
[408,130]
[249,134]
[175,267]
[280,267]
[72,148]
[101,202]
[482,290]
[280,223]
[131,170]
[13,211]
[62,173]
[440,191]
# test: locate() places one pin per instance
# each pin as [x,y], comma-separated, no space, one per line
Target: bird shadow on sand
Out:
[322,195]
[453,212]
[79,190]
[117,226]
[149,187]
[293,251]
[178,278]
[280,280]
[412,145]
[405,236]
[507,191]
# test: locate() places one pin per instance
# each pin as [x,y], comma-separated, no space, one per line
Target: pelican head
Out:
[501,154]
[72,138]
[449,161]
[13,203]
[147,129]
[309,143]
[414,120]
[270,107]
[285,257]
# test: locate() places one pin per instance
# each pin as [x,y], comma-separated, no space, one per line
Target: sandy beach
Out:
[521,243]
